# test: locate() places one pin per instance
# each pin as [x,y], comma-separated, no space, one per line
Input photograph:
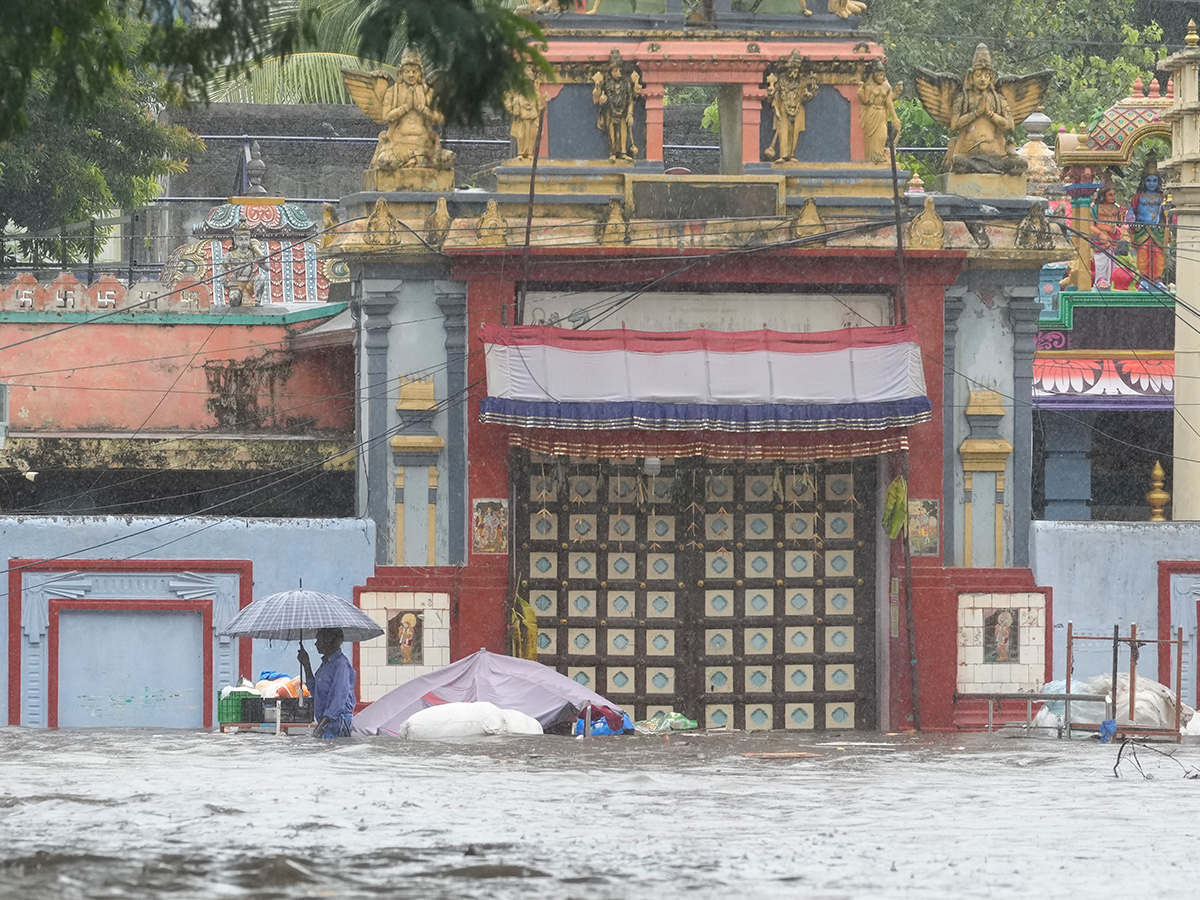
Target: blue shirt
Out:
[333,687]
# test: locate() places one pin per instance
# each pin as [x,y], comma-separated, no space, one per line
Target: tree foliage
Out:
[76,50]
[73,162]
[1096,49]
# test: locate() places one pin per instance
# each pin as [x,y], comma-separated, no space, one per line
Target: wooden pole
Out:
[519,312]
[1133,655]
[1070,667]
[1116,654]
[1178,681]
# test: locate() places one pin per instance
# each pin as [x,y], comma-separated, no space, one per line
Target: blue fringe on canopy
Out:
[688,416]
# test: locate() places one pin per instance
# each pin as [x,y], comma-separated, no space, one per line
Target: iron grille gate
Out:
[741,593]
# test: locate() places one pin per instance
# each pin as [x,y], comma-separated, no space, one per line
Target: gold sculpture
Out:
[382,226]
[927,231]
[615,92]
[437,224]
[526,111]
[788,89]
[809,223]
[613,228]
[409,155]
[844,9]
[877,99]
[981,111]
[245,270]
[1033,231]
[492,229]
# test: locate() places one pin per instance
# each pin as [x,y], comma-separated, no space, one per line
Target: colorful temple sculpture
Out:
[685,395]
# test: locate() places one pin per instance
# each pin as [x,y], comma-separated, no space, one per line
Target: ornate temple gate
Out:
[738,593]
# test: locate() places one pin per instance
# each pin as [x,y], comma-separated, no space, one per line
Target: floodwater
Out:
[145,814]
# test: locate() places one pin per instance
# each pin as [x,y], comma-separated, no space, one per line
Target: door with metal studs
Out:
[740,593]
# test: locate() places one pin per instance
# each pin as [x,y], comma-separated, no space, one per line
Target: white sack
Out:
[452,721]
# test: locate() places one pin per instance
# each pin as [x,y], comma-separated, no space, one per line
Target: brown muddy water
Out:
[145,814]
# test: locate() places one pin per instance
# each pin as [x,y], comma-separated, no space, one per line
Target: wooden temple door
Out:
[740,593]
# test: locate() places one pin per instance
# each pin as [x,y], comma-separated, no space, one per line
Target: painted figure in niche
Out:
[615,93]
[788,89]
[245,267]
[1150,236]
[1000,643]
[404,639]
[406,106]
[878,107]
[1107,229]
[490,527]
[526,111]
[981,111]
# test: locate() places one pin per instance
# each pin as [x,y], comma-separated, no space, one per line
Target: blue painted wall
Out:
[332,555]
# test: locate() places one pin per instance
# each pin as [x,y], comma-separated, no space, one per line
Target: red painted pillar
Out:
[752,98]
[653,95]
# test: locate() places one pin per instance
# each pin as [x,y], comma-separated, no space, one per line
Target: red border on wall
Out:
[244,568]
[1167,568]
[204,607]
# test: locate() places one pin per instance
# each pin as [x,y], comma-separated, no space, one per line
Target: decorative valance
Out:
[733,382]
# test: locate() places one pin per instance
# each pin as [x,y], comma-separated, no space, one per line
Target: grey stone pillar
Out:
[377,308]
[1068,469]
[1024,309]
[953,309]
[453,303]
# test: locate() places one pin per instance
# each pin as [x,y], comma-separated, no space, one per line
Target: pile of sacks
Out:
[270,685]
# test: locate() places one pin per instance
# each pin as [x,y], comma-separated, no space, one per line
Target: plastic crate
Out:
[230,708]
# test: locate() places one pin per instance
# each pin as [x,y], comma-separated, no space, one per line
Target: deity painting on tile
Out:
[923,527]
[489,526]
[404,638]
[1001,636]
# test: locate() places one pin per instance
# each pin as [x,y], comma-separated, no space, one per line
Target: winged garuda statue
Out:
[981,112]
[406,106]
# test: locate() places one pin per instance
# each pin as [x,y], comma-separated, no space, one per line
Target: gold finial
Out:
[1192,38]
[1157,497]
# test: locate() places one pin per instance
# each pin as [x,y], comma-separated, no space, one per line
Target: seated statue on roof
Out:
[409,155]
[245,270]
[981,111]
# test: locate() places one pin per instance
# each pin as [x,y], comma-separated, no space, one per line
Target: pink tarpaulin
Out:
[505,681]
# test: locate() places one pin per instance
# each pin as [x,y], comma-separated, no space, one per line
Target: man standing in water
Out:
[332,687]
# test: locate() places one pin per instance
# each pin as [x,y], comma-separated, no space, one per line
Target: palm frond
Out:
[301,78]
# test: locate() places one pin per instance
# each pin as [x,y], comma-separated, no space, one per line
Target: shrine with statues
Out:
[686,395]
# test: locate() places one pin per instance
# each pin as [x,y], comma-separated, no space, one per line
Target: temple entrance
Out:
[740,593]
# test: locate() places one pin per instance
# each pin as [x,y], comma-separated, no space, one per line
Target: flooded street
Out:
[150,815]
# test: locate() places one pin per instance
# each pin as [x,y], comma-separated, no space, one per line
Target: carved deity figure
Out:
[877,99]
[1149,231]
[408,109]
[526,111]
[981,111]
[245,270]
[1107,229]
[614,93]
[844,9]
[788,89]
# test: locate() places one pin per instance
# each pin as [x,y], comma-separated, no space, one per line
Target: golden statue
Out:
[492,228]
[981,111]
[245,270]
[927,231]
[844,9]
[526,111]
[410,142]
[615,93]
[877,99]
[788,89]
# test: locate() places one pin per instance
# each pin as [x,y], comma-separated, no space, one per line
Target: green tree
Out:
[478,48]
[70,164]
